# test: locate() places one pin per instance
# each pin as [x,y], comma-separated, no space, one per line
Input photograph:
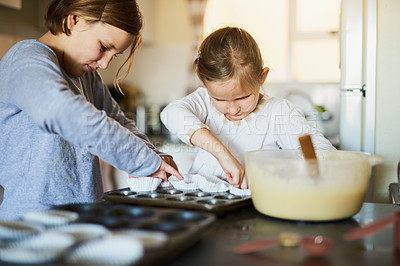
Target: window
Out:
[298,38]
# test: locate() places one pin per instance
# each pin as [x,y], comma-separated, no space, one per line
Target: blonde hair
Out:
[123,14]
[228,53]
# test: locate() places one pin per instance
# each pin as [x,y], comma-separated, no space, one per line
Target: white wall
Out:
[162,64]
[387,139]
[162,72]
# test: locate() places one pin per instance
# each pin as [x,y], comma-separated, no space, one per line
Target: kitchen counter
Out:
[237,227]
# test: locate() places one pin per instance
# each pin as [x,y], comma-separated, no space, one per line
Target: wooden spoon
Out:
[307,147]
[308,150]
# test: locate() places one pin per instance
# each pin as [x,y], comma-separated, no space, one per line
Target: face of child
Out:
[93,46]
[231,99]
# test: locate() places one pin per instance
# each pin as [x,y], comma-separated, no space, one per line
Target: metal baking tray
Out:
[186,199]
[182,227]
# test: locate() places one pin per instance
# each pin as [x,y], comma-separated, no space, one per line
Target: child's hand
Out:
[234,171]
[166,170]
[244,184]
[170,161]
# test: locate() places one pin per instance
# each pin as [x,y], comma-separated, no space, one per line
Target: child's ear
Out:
[72,20]
[264,74]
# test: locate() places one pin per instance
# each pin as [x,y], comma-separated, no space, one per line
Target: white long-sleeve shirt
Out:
[274,124]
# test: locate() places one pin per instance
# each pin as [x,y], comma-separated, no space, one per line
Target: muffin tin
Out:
[162,232]
[186,199]
[180,227]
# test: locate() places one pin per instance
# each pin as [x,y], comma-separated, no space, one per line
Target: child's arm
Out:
[234,170]
[184,116]
[185,119]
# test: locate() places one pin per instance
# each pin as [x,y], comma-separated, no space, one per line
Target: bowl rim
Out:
[296,152]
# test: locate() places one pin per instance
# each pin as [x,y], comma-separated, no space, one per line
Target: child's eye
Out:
[245,97]
[218,100]
[103,48]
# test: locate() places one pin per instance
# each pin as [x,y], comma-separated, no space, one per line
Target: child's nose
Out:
[104,61]
[233,108]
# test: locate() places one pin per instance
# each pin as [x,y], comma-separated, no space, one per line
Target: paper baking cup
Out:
[146,183]
[15,230]
[239,191]
[50,217]
[109,250]
[83,231]
[188,183]
[212,184]
[166,184]
[42,248]
[151,240]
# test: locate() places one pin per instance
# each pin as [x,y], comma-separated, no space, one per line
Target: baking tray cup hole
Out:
[150,196]
[128,211]
[228,197]
[198,194]
[170,191]
[186,216]
[108,221]
[82,208]
[212,201]
[169,228]
[181,198]
[121,193]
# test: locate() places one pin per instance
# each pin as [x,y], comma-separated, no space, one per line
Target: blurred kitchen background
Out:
[338,60]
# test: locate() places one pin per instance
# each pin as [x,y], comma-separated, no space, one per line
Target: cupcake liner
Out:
[239,192]
[212,184]
[28,256]
[151,240]
[46,240]
[109,250]
[146,183]
[166,184]
[43,248]
[83,231]
[188,183]
[16,230]
[50,217]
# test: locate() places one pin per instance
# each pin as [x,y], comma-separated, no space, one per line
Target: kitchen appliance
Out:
[147,118]
[283,186]
[358,63]
[358,38]
[394,191]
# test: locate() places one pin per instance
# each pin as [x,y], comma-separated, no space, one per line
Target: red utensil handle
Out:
[371,228]
[256,245]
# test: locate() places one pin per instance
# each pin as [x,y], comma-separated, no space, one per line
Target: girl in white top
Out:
[231,116]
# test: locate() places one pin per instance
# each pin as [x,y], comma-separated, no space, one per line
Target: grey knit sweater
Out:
[53,128]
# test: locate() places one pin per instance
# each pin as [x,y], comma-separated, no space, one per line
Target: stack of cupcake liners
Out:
[205,183]
[49,236]
[146,183]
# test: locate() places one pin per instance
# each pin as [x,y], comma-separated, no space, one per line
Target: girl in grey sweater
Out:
[57,116]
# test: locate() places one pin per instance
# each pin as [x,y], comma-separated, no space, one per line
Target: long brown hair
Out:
[123,14]
[227,53]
